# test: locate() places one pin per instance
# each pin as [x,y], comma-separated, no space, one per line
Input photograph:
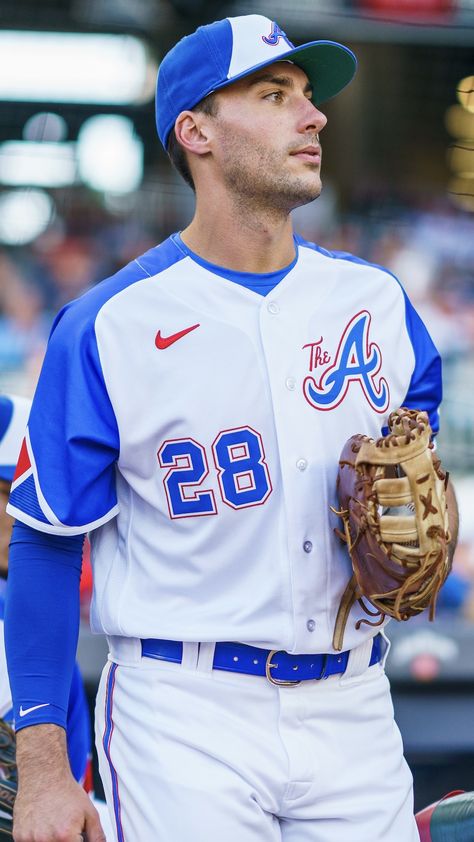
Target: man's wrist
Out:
[41,750]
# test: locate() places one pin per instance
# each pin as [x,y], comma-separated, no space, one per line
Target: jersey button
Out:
[302,464]
[290,383]
[308,546]
[311,625]
[273,308]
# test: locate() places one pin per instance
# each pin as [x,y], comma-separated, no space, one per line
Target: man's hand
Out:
[63,815]
[50,806]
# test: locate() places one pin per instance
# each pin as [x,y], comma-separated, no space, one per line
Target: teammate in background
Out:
[14,412]
[190,415]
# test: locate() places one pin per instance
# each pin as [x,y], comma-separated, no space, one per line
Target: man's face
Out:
[267,131]
[6,525]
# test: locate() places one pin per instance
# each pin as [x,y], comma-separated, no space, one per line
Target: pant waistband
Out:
[278,666]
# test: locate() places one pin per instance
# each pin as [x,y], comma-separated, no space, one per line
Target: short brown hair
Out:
[176,153]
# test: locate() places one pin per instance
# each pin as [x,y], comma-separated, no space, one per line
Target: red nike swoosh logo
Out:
[163,342]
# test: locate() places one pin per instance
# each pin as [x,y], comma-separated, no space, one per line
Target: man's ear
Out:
[191,129]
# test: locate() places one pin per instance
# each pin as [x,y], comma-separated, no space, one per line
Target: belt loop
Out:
[125,650]
[358,661]
[205,659]
[190,655]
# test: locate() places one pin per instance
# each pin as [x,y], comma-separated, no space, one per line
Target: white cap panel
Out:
[249,47]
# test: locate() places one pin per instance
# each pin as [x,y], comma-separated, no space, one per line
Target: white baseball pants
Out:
[191,754]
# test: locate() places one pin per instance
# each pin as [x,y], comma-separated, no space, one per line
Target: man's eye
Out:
[275,96]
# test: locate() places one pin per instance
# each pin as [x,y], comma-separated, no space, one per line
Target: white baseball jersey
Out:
[194,427]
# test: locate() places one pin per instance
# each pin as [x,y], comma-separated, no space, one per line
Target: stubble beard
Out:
[252,173]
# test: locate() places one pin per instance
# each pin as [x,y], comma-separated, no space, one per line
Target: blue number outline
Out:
[175,468]
[261,462]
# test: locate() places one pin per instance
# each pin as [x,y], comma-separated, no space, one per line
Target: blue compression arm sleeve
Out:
[42,623]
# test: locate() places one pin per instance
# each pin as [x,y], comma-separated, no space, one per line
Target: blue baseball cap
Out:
[14,412]
[218,54]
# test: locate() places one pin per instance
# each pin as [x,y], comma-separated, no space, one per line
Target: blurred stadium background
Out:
[84,187]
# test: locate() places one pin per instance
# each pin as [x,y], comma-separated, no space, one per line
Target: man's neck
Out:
[239,237]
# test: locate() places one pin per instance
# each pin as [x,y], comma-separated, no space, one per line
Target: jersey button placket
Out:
[276,332]
[273,308]
[307,546]
[311,625]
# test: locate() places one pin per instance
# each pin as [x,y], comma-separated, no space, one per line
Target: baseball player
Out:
[190,415]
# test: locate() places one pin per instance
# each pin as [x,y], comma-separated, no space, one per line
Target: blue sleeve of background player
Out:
[42,624]
[425,390]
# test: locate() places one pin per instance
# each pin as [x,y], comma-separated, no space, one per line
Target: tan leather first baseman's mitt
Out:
[8,780]
[392,495]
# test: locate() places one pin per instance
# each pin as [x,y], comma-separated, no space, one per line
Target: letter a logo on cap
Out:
[273,39]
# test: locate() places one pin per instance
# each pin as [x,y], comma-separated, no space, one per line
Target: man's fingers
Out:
[93,830]
[94,836]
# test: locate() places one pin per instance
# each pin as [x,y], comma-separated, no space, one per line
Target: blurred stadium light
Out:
[75,67]
[460,157]
[45,125]
[37,164]
[461,160]
[24,215]
[459,123]
[465,92]
[109,154]
[108,157]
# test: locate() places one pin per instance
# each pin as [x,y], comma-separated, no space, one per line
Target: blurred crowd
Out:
[428,244]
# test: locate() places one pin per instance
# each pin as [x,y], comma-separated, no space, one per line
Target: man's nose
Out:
[314,119]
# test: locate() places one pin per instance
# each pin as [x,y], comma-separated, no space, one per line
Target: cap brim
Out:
[328,65]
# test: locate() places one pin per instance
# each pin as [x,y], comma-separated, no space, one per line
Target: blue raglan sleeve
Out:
[425,390]
[65,478]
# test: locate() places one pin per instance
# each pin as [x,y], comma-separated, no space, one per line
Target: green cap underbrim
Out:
[329,67]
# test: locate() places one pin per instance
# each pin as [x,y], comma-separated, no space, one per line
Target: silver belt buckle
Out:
[269,666]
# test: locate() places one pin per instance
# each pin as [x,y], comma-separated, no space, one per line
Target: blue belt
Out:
[278,666]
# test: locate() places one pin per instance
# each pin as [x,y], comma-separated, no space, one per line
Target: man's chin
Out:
[307,193]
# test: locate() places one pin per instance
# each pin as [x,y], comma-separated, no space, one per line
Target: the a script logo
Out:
[356,361]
